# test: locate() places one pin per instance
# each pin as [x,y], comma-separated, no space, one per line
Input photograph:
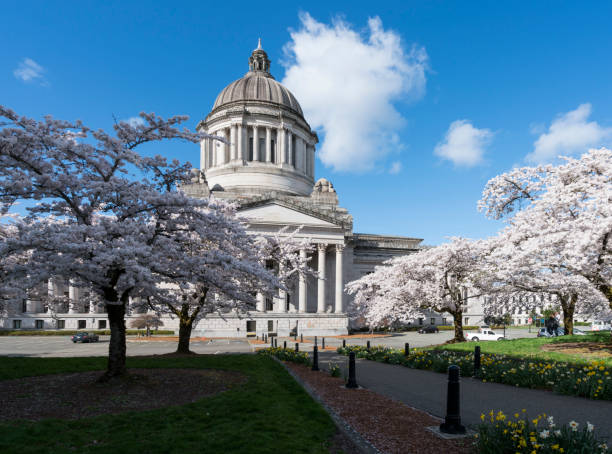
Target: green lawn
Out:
[532,348]
[271,413]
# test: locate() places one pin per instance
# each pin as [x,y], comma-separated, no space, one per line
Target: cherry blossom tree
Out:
[559,227]
[433,279]
[104,216]
[518,274]
[238,267]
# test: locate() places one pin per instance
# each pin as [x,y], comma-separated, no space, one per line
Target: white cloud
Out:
[464,144]
[396,168]
[28,71]
[135,121]
[347,84]
[570,133]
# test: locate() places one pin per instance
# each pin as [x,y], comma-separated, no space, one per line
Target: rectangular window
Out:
[466,320]
[269,304]
[270,325]
[251,326]
[40,324]
[433,320]
[24,306]
[272,150]
[101,324]
[16,324]
[420,321]
[250,157]
[288,301]
[82,324]
[61,324]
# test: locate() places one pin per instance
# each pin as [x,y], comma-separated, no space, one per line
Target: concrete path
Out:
[426,391]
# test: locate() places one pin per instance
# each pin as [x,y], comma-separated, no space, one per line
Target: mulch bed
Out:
[391,426]
[78,395]
[592,349]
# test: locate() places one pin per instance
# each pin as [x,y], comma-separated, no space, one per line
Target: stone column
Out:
[203,159]
[240,154]
[290,148]
[233,142]
[280,138]
[72,299]
[255,143]
[302,286]
[261,302]
[268,145]
[213,148]
[339,280]
[321,281]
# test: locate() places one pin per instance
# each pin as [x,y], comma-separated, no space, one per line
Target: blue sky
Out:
[501,80]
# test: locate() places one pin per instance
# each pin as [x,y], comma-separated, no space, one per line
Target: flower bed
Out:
[287,355]
[592,380]
[499,433]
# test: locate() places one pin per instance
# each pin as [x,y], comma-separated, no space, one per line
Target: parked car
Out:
[85,337]
[429,329]
[600,325]
[484,334]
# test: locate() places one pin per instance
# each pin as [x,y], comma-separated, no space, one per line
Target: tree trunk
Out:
[459,337]
[116,347]
[185,326]
[568,315]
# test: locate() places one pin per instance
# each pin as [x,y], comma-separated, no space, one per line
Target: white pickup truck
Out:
[484,334]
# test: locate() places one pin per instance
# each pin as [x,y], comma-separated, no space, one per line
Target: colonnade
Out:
[303,287]
[258,143]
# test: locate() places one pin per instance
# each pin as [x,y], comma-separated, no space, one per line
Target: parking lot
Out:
[49,346]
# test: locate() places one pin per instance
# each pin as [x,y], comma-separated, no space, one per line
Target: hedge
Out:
[70,332]
[452,327]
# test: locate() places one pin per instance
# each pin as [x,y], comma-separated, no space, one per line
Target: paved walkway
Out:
[426,391]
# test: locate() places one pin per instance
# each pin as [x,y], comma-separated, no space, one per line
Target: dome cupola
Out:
[264,143]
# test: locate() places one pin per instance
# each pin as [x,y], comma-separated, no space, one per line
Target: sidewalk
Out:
[426,391]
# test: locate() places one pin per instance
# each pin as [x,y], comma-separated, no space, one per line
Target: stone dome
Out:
[258,85]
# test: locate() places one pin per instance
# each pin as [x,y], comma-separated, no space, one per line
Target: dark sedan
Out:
[429,329]
[85,337]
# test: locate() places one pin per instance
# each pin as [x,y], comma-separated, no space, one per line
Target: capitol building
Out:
[266,165]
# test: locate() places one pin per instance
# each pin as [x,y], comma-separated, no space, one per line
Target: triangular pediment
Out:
[275,213]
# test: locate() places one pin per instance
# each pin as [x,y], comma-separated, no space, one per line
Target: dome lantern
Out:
[259,61]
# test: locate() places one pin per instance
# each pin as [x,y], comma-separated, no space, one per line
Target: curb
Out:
[364,446]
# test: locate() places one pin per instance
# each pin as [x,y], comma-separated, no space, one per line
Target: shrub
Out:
[452,327]
[499,433]
[286,355]
[334,370]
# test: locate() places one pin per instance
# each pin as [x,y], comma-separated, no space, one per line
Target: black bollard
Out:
[368,347]
[284,345]
[302,338]
[297,347]
[343,343]
[352,381]
[315,358]
[406,349]
[323,343]
[257,337]
[452,422]
[476,359]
